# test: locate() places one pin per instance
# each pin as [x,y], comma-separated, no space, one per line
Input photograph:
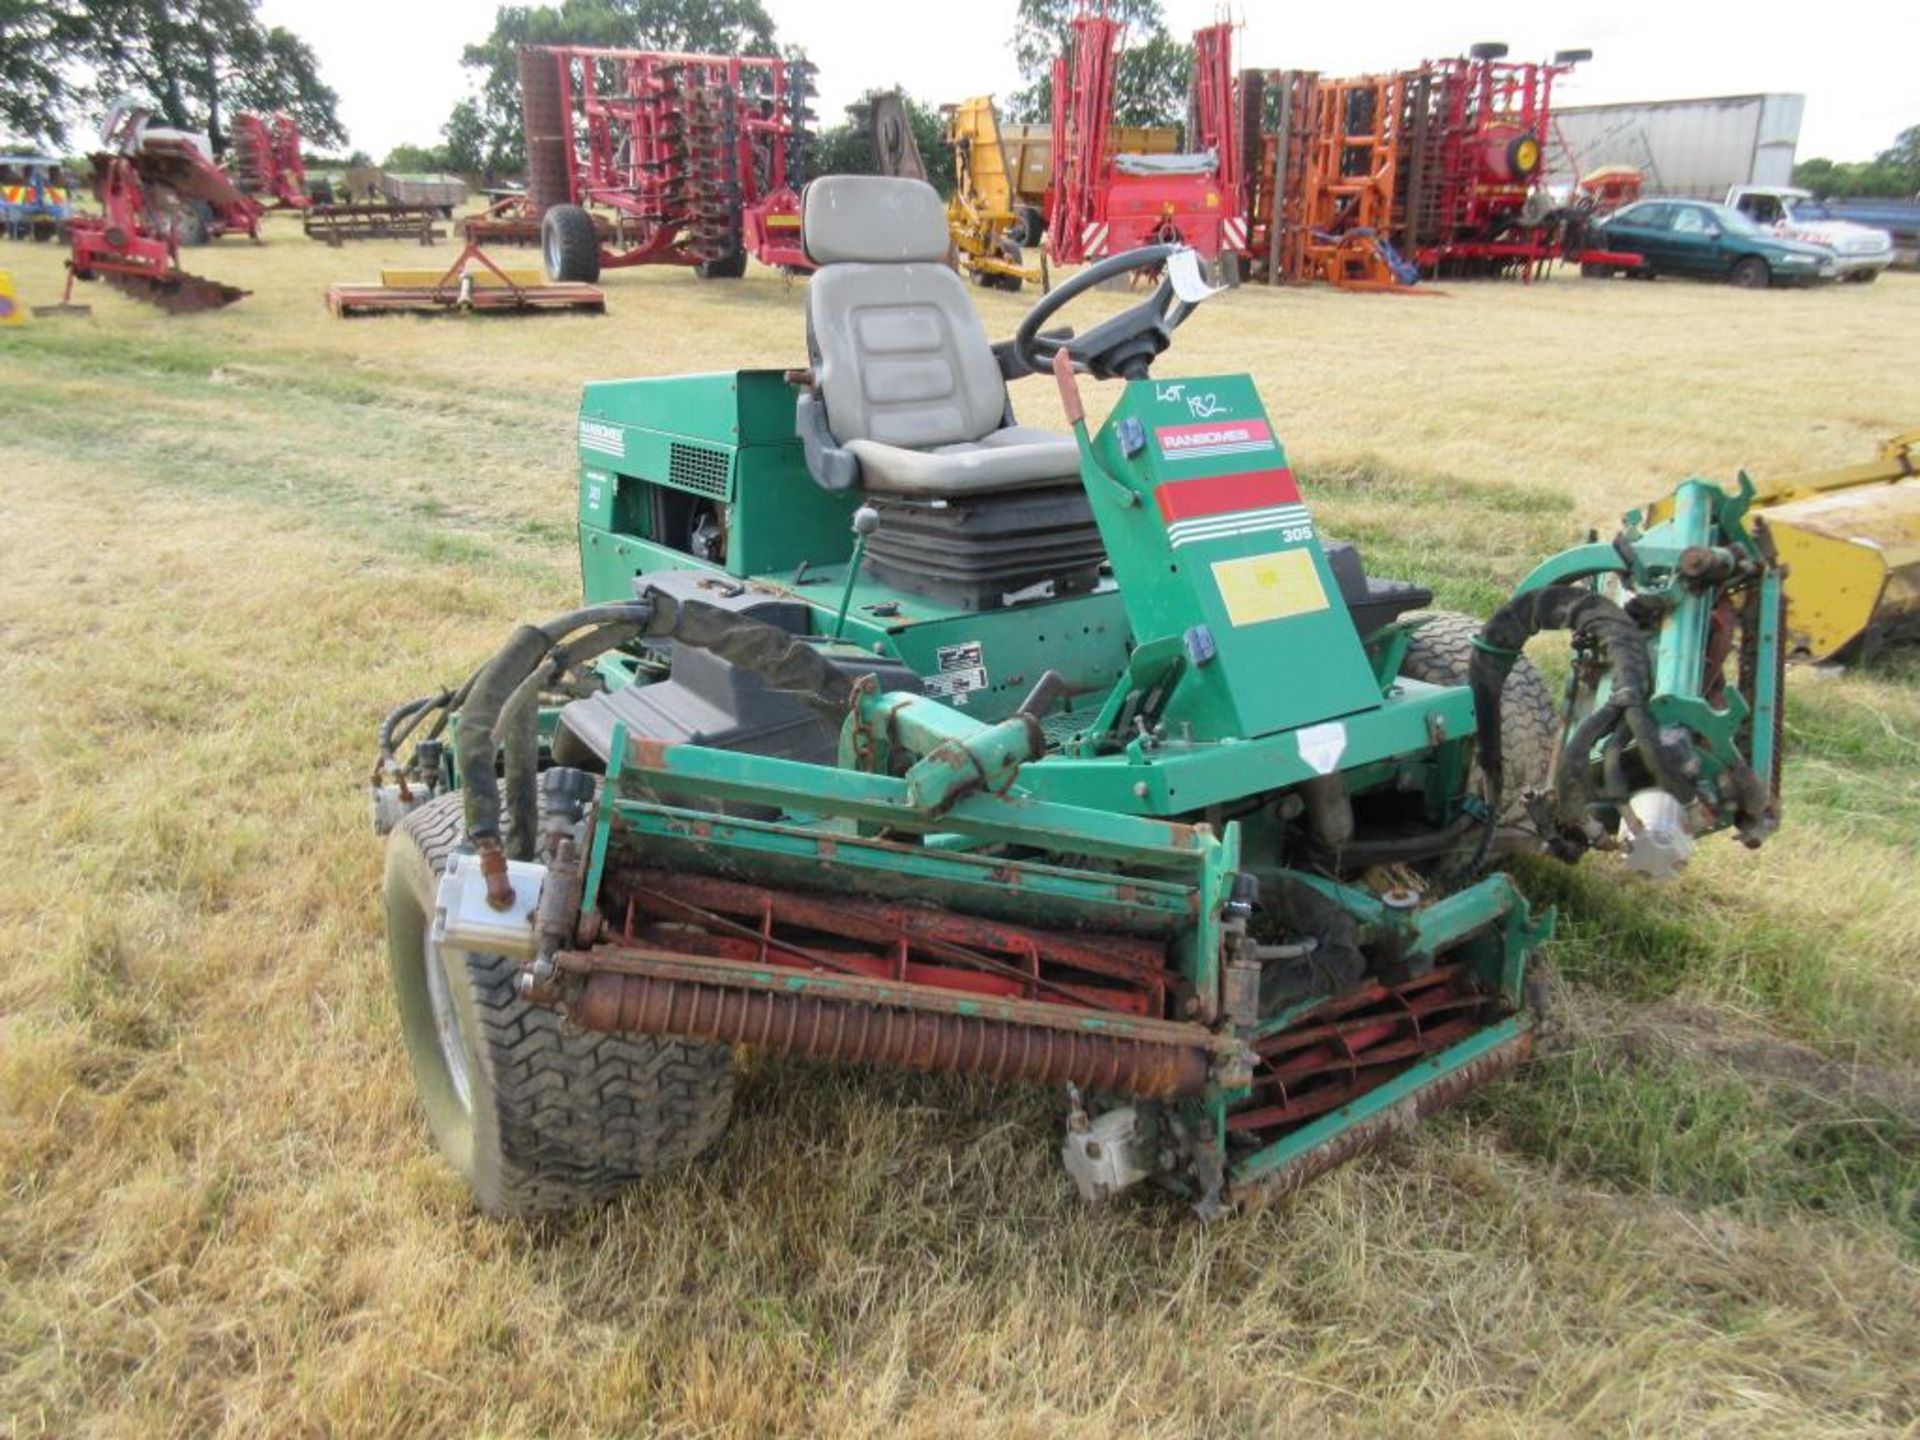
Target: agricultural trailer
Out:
[892,731]
[698,157]
[1105,202]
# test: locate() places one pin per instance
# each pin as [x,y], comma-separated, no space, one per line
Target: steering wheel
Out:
[1124,347]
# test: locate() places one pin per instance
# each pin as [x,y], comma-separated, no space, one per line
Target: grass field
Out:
[231,540]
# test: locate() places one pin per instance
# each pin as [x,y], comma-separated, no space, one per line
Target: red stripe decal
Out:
[1223,494]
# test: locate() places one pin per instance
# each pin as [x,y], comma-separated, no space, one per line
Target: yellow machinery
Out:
[1850,539]
[983,216]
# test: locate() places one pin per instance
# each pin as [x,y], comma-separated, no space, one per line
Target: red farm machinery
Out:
[1105,202]
[1376,181]
[158,189]
[699,159]
[266,161]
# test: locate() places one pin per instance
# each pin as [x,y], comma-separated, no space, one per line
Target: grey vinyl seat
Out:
[911,387]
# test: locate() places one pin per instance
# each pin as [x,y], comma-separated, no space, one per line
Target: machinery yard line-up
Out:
[699,157]
[893,731]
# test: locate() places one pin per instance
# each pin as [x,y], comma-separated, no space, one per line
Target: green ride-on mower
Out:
[892,731]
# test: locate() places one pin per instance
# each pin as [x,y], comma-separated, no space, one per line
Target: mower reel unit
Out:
[885,736]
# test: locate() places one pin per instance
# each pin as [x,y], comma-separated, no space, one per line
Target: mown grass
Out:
[231,540]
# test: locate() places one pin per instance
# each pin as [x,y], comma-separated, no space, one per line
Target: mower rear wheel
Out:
[535,1116]
[568,244]
[1439,653]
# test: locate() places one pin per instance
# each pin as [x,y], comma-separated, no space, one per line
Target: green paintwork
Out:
[1251,1169]
[942,799]
[1699,515]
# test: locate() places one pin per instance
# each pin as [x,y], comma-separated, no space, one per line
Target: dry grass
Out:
[231,539]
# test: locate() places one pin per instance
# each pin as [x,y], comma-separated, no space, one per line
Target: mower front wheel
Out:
[535,1116]
[1439,654]
[569,245]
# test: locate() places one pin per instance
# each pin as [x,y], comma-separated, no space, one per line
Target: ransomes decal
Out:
[1214,437]
[603,438]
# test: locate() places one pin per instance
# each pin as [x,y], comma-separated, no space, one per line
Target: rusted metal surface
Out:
[910,943]
[1361,1136]
[854,1020]
[1341,1050]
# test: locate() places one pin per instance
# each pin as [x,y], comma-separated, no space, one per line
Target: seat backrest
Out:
[899,354]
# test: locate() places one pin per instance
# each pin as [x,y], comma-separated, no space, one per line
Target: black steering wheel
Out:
[1124,347]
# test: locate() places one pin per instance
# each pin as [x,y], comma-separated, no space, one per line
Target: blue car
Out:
[1709,242]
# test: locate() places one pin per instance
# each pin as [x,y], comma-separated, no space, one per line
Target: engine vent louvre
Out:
[702,470]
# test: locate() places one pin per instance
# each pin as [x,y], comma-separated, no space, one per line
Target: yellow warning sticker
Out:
[1258,588]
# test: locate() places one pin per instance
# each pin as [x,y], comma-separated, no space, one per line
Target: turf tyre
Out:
[568,244]
[537,1118]
[1439,654]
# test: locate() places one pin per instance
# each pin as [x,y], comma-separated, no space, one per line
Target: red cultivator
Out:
[699,156]
[267,163]
[1105,203]
[157,189]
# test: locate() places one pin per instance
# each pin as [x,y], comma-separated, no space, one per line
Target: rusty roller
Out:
[861,1031]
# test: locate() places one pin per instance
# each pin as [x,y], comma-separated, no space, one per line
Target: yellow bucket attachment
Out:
[1850,539]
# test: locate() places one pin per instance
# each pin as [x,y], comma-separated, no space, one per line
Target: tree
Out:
[1149,84]
[1894,172]
[197,61]
[466,135]
[415,160]
[847,148]
[36,38]
[721,27]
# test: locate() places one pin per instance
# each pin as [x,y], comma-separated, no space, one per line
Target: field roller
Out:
[891,731]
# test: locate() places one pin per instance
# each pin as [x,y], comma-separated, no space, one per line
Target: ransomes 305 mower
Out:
[894,732]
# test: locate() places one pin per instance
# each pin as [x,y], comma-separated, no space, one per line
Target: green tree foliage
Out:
[415,160]
[195,61]
[1894,172]
[35,37]
[1149,84]
[722,27]
[466,139]
[199,61]
[847,148]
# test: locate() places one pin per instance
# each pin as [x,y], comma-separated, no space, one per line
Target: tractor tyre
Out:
[1030,225]
[728,267]
[535,1116]
[568,245]
[1751,273]
[1439,654]
[194,222]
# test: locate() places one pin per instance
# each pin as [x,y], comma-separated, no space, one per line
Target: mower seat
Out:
[911,388]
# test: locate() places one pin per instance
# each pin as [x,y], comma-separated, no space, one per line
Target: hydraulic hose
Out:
[500,708]
[1612,634]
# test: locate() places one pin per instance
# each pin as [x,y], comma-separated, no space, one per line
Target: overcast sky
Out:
[397,65]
